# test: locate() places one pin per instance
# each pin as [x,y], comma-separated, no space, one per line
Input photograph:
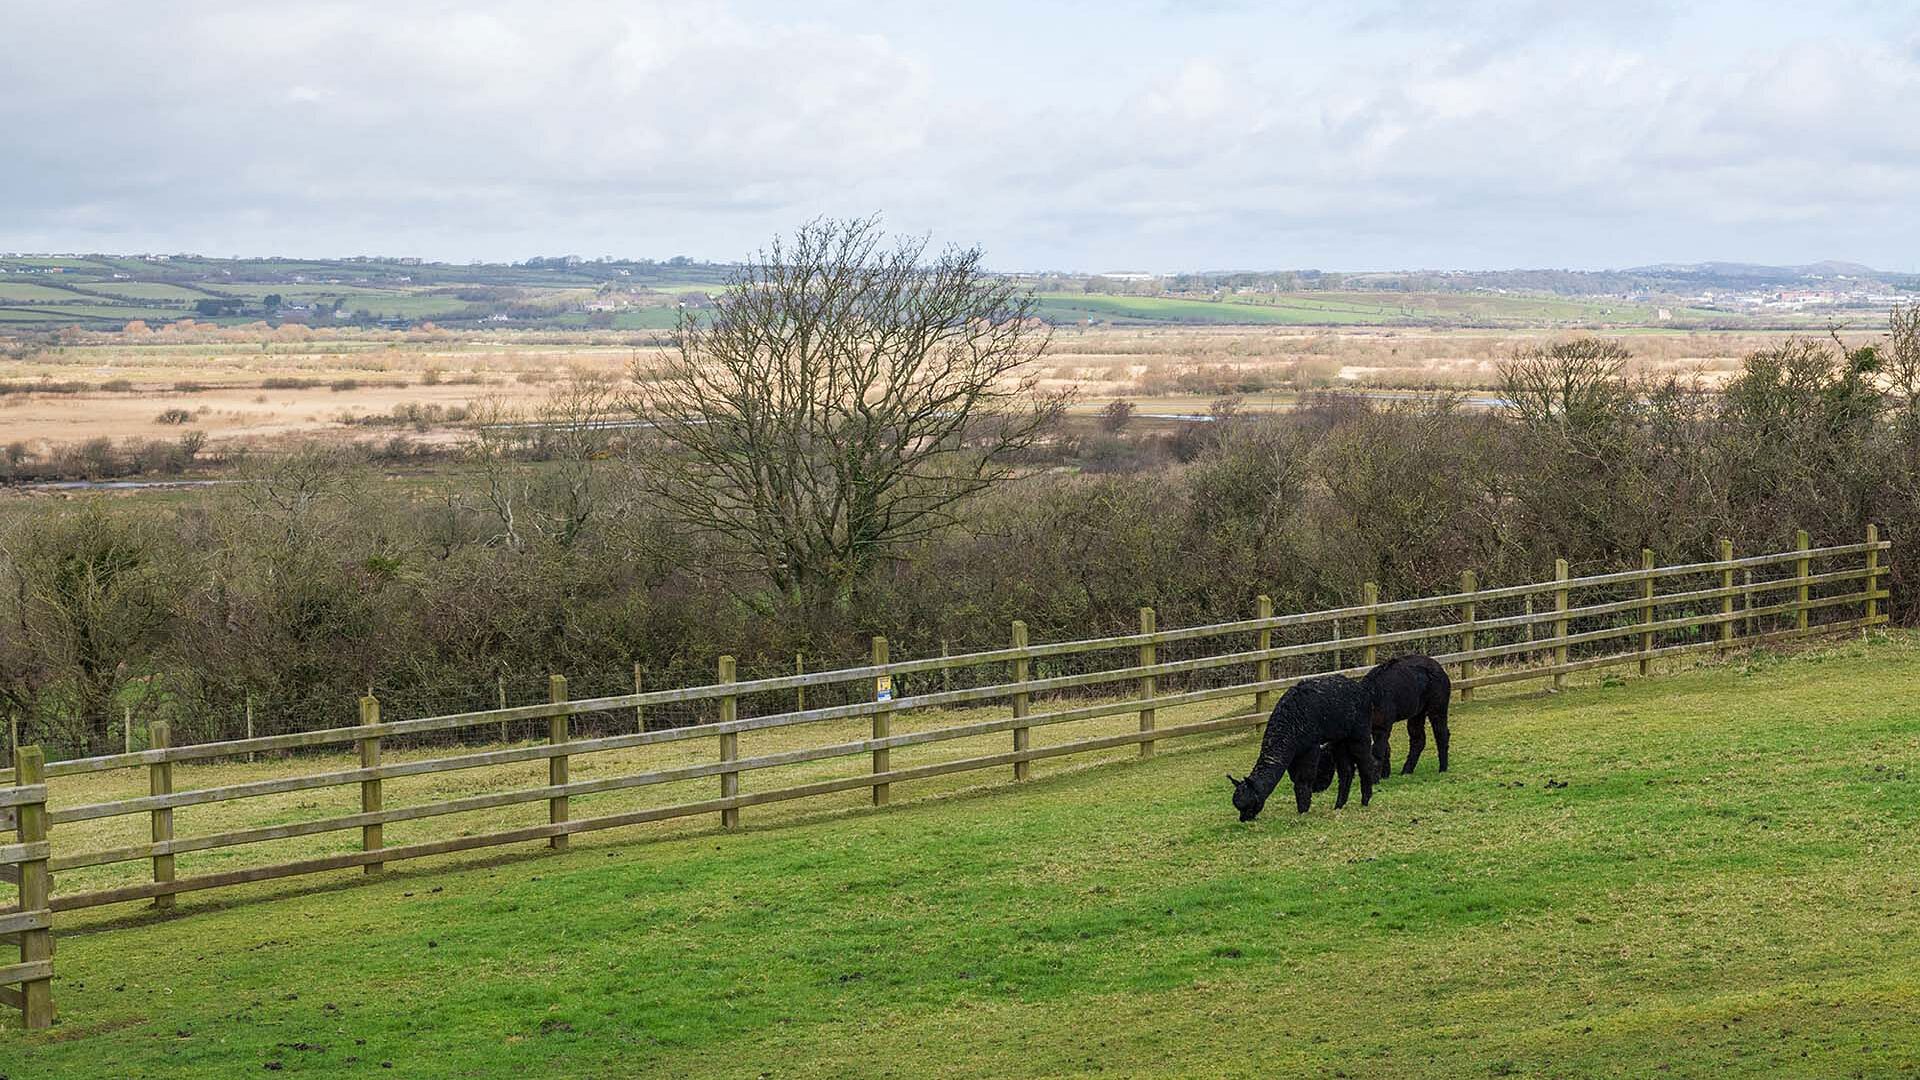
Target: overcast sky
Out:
[1093,136]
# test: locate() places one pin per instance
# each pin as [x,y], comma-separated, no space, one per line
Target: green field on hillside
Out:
[33,292]
[386,303]
[1072,307]
[556,294]
[146,290]
[1704,874]
[1352,309]
[82,311]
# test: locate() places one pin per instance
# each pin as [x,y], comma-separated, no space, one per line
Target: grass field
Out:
[385,303]
[1157,309]
[147,290]
[1705,874]
[27,290]
[1355,309]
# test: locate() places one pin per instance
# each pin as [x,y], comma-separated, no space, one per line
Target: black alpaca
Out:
[1330,709]
[1411,688]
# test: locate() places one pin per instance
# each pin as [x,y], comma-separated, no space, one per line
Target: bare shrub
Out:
[840,403]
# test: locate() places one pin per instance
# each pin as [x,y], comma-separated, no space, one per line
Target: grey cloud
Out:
[1504,132]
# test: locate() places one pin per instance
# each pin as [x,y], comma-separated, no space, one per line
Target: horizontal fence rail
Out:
[1621,618]
[353,734]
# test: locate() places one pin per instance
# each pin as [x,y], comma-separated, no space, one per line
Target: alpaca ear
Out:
[1232,781]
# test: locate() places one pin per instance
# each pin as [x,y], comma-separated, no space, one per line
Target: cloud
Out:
[1506,132]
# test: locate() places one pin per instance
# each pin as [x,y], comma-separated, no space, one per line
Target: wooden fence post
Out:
[1469,584]
[1370,596]
[160,782]
[126,729]
[1801,568]
[799,692]
[1646,609]
[1531,656]
[557,765]
[639,711]
[1726,602]
[1873,578]
[1149,653]
[36,1006]
[13,739]
[1336,645]
[500,685]
[882,721]
[1020,700]
[1746,599]
[371,836]
[1560,625]
[946,673]
[729,745]
[1263,640]
[249,725]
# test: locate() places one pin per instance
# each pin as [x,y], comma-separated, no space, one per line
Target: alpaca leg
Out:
[1416,743]
[1441,735]
[1368,773]
[1343,762]
[1382,750]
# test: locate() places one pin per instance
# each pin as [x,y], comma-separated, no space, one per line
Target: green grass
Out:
[642,318]
[104,310]
[1156,309]
[385,303]
[65,262]
[146,290]
[32,292]
[1723,887]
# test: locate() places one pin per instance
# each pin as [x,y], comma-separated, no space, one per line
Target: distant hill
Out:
[1750,271]
[48,292]
[44,293]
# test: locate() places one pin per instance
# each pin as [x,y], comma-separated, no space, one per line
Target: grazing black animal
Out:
[1330,709]
[1415,689]
[1323,770]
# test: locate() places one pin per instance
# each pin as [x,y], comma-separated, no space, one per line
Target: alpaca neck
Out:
[1266,776]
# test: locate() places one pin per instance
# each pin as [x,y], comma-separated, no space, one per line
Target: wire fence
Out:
[1747,601]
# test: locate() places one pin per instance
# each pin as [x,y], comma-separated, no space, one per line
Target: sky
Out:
[1115,136]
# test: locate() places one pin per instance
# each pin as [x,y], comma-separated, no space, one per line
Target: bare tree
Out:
[1578,386]
[1115,415]
[302,496]
[540,471]
[839,399]
[1902,364]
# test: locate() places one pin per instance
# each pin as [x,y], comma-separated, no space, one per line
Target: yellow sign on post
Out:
[883,688]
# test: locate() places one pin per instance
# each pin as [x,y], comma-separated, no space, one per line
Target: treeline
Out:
[316,578]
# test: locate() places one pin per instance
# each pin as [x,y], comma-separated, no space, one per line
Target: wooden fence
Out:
[1630,607]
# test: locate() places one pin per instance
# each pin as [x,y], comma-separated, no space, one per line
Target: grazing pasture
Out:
[147,290]
[27,290]
[1709,873]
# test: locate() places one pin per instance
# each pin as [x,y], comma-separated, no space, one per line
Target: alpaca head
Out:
[1246,798]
